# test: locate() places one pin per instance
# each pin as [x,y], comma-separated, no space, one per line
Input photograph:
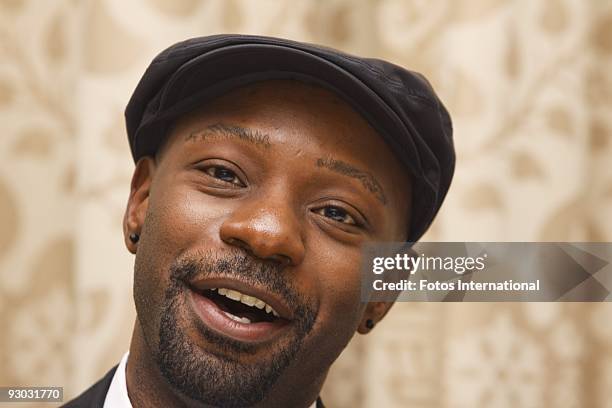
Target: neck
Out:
[147,387]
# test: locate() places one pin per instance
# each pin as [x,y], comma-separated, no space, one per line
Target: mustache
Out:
[268,275]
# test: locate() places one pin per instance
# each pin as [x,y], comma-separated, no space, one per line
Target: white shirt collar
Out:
[117,395]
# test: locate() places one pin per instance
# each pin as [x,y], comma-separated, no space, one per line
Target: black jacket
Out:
[94,396]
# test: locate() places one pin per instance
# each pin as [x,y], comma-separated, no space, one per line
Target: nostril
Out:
[239,243]
[278,258]
[281,259]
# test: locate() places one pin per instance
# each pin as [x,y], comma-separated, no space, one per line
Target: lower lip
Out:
[216,319]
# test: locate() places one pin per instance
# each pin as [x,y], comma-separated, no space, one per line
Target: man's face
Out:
[252,217]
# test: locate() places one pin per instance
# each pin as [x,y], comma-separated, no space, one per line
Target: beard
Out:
[222,378]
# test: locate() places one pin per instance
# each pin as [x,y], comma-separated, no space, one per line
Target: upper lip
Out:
[274,300]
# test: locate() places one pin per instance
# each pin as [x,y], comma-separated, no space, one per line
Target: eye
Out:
[226,175]
[337,214]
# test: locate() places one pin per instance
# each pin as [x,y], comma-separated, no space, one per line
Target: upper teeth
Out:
[246,299]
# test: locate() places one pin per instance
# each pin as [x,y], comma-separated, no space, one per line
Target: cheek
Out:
[176,222]
[340,288]
[180,219]
[337,271]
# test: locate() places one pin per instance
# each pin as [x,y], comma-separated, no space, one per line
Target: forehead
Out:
[294,113]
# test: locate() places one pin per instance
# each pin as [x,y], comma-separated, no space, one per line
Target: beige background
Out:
[528,83]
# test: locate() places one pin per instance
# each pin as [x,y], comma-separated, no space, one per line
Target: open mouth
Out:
[240,307]
[238,315]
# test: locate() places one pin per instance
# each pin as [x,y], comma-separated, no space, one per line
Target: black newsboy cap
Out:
[400,104]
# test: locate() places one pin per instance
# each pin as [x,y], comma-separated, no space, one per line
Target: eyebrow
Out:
[222,130]
[367,179]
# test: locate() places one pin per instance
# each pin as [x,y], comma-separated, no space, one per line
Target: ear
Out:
[374,312]
[138,202]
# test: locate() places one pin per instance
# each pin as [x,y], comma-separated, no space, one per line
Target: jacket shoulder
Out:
[94,396]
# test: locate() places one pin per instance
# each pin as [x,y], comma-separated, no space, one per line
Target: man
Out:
[262,166]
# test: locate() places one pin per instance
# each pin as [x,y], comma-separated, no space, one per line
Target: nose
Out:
[267,228]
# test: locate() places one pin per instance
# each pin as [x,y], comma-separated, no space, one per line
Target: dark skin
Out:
[290,175]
